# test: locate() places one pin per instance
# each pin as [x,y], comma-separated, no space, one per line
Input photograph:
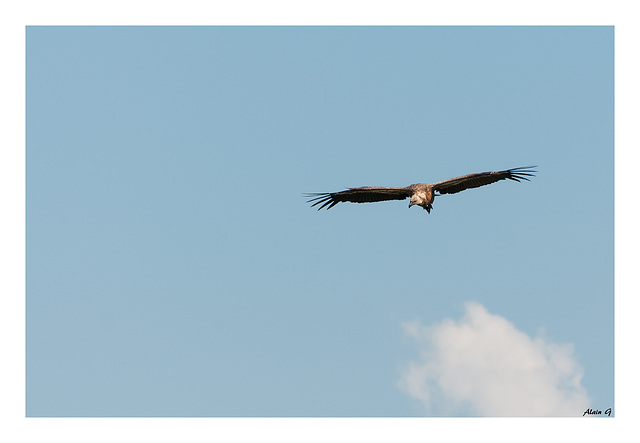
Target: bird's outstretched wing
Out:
[365,194]
[454,185]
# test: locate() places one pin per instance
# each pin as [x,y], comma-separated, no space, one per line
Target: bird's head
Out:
[421,199]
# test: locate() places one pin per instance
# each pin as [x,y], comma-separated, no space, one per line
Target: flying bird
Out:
[421,194]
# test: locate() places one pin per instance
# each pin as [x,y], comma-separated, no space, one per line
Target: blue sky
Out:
[174,268]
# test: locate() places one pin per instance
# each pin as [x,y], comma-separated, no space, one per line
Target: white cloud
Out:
[482,365]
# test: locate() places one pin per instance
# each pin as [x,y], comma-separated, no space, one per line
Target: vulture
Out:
[421,194]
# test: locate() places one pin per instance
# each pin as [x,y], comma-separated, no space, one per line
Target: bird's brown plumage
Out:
[421,194]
